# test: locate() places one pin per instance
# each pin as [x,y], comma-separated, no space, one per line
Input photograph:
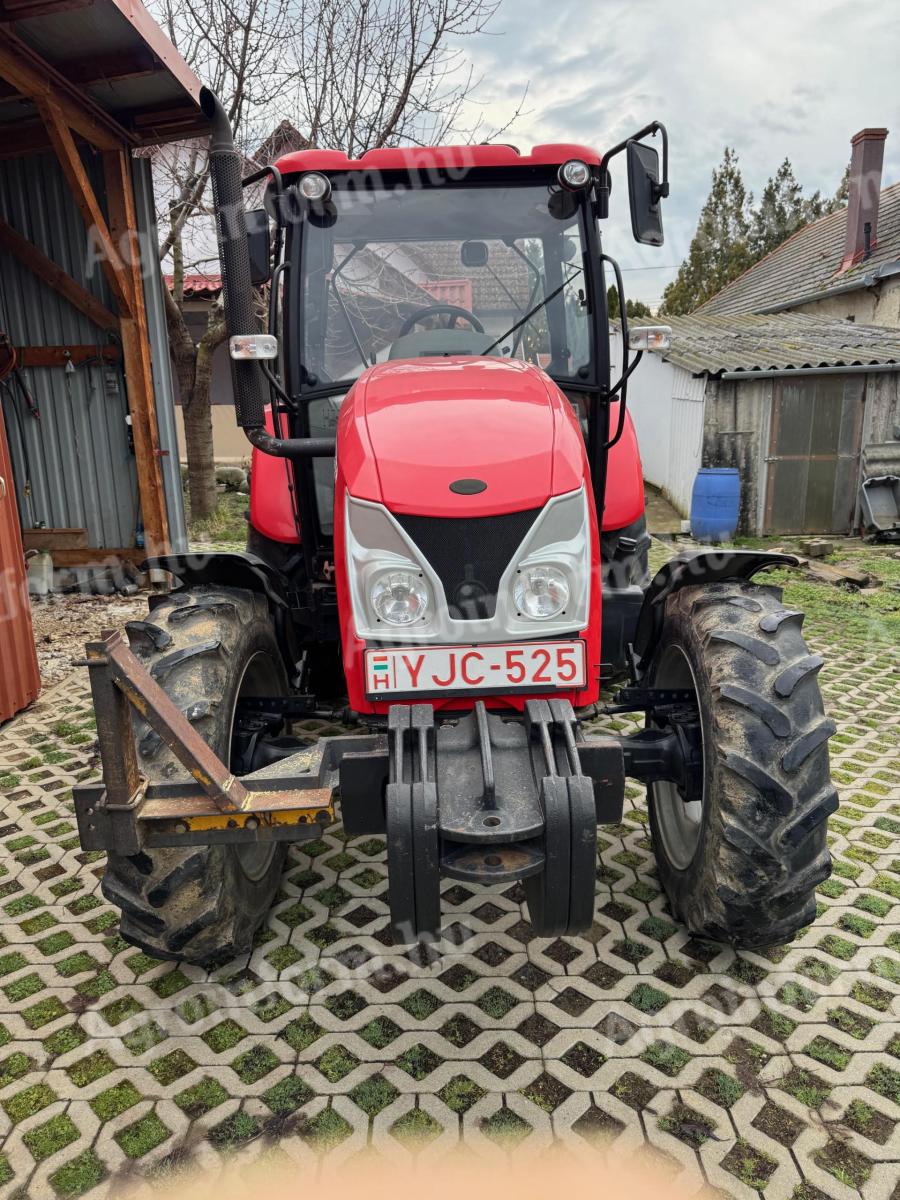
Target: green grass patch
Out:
[51,1137]
[142,1136]
[78,1176]
[28,1102]
[201,1098]
[115,1100]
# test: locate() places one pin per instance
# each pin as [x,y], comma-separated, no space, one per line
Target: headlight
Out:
[541,592]
[315,186]
[399,597]
[574,175]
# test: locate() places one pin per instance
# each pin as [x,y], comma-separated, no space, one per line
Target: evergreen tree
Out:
[782,210]
[733,233]
[633,308]
[841,197]
[720,250]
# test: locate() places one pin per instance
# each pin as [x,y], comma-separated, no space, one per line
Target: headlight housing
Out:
[541,591]
[399,597]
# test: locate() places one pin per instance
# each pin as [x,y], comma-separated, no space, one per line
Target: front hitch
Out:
[483,797]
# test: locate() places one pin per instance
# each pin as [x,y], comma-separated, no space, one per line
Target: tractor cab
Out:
[434,276]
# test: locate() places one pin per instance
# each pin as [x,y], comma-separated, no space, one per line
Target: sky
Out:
[772,78]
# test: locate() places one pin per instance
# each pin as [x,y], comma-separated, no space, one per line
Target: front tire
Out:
[740,861]
[206,647]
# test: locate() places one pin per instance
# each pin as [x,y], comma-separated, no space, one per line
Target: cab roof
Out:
[424,158]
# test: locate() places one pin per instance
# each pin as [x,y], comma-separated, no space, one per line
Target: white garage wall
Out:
[667,405]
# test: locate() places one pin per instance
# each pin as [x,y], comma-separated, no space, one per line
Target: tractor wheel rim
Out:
[255,857]
[679,821]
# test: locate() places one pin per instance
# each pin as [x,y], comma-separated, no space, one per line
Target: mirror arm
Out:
[660,190]
[278,189]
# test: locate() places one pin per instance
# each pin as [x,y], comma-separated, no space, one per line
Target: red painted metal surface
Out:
[430,158]
[271,504]
[20,680]
[624,500]
[422,423]
[403,432]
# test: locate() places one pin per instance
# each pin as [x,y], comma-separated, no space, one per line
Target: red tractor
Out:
[447,549]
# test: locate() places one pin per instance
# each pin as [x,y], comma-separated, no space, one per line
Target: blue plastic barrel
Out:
[715,504]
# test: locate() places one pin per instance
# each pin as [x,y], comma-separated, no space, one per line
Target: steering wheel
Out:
[454,312]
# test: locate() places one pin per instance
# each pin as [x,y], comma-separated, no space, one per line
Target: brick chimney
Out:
[866,161]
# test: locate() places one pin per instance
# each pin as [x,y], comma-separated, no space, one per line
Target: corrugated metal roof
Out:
[711,344]
[808,263]
[112,52]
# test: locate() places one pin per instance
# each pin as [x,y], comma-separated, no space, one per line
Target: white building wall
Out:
[667,405]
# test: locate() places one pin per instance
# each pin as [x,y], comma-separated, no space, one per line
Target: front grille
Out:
[469,556]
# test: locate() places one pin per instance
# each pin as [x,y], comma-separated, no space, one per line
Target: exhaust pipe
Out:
[234,258]
[250,390]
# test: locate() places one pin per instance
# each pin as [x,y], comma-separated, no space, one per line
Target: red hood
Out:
[410,428]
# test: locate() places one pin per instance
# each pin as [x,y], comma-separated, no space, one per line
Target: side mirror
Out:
[645,193]
[258,242]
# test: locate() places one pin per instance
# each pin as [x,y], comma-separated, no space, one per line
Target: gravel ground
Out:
[62,625]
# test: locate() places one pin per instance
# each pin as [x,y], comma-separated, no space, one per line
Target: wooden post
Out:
[111,263]
[136,352]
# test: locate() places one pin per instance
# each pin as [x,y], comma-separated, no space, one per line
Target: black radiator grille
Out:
[469,555]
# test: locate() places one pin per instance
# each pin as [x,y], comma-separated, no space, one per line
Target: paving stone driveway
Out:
[775,1072]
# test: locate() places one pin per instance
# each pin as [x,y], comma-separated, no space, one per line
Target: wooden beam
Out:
[136,355]
[55,277]
[58,356]
[94,222]
[31,75]
[55,539]
[99,557]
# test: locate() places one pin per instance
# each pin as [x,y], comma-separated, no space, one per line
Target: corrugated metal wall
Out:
[73,468]
[667,405]
[685,436]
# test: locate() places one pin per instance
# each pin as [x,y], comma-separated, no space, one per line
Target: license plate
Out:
[514,666]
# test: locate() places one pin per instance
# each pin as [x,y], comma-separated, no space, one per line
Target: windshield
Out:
[458,269]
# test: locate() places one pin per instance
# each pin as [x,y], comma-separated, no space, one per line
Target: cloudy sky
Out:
[773,78]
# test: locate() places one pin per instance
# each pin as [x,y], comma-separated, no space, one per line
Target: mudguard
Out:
[234,570]
[687,569]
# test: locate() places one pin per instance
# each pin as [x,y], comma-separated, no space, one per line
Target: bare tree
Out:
[373,73]
[351,75]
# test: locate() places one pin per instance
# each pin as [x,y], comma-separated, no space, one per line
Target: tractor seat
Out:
[439,343]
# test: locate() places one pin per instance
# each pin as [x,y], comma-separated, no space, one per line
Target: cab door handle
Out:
[2,488]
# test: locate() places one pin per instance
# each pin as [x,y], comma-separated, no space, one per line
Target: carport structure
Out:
[88,81]
[88,454]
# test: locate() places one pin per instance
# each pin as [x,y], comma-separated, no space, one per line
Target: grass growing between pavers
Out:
[328,1033]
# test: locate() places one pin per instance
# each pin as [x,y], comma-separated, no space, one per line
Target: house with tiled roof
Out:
[790,375]
[845,265]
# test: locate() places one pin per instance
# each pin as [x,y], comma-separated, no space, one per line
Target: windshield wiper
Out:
[537,308]
[332,282]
